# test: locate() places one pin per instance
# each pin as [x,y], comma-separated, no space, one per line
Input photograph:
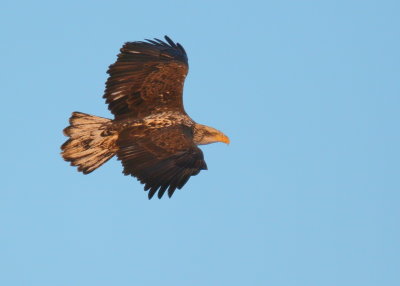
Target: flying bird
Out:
[151,134]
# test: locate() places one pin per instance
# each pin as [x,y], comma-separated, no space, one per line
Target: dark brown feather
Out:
[162,159]
[147,78]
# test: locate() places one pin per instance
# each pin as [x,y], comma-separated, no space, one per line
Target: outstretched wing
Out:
[147,78]
[162,159]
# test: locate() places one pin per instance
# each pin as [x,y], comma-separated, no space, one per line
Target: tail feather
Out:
[89,146]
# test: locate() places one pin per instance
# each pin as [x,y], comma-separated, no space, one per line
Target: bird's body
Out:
[151,134]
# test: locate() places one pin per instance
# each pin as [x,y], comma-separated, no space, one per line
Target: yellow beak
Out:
[224,139]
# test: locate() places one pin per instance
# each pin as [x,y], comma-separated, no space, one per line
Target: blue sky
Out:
[307,193]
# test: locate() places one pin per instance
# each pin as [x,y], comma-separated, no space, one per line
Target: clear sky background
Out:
[307,193]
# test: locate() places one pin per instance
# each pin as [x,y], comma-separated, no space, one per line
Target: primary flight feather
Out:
[151,133]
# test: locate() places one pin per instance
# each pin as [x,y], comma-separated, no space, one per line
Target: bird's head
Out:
[206,135]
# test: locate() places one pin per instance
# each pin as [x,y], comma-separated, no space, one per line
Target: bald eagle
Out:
[151,134]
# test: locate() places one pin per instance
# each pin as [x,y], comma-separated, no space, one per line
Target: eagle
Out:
[151,134]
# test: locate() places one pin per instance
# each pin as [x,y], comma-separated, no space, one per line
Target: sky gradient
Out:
[307,193]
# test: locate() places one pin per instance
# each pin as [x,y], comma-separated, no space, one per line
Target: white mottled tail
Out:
[89,146]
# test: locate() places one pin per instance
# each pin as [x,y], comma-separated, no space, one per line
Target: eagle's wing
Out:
[147,78]
[162,159]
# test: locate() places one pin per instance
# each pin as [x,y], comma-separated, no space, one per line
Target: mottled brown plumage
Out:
[147,78]
[151,134]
